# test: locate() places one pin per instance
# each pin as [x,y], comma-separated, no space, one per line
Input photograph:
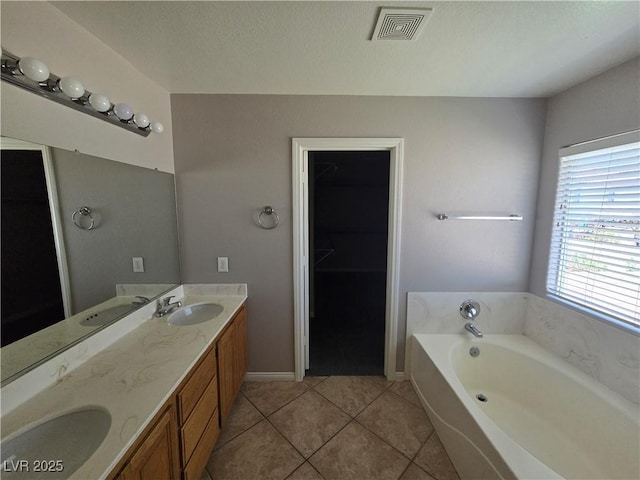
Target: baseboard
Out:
[290,377]
[270,377]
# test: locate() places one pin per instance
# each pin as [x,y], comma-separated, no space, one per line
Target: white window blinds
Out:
[595,247]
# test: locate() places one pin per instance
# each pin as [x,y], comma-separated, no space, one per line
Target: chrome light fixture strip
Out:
[49,89]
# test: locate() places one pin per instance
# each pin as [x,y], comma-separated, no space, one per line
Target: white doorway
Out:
[300,155]
[31,217]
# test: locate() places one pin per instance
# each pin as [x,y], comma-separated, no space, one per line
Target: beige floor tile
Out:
[433,458]
[305,472]
[398,422]
[243,416]
[312,381]
[406,391]
[380,380]
[259,453]
[309,421]
[270,396]
[356,453]
[351,394]
[415,473]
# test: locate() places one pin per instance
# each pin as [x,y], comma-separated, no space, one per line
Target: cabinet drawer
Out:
[195,425]
[195,467]
[192,390]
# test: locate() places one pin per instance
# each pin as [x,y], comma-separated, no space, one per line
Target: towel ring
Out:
[270,212]
[83,212]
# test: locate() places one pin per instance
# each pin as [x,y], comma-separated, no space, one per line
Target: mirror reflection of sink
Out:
[106,316]
[196,313]
[64,442]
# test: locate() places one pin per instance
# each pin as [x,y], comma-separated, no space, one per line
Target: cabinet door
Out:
[226,370]
[157,456]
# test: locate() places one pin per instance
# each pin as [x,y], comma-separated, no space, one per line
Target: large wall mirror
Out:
[85,242]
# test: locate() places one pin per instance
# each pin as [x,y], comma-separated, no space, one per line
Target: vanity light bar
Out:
[33,75]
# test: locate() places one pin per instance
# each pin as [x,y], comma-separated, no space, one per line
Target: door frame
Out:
[7,143]
[300,159]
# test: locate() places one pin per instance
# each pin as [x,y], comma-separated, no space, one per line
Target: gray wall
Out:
[233,156]
[134,210]
[605,105]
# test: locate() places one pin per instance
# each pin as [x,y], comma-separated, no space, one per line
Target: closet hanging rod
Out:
[512,217]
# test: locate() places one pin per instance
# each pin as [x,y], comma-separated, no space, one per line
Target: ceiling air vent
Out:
[400,23]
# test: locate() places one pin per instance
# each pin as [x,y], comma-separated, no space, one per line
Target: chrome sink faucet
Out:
[140,302]
[165,307]
[471,327]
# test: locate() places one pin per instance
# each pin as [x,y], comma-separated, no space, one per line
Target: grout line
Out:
[352,419]
[324,443]
[409,402]
[331,438]
[335,405]
[405,470]
[359,411]
[287,403]
[301,465]
[434,474]
[382,439]
[218,446]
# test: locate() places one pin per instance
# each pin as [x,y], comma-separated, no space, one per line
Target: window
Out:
[594,260]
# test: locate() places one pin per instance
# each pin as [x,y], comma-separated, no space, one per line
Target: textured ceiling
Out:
[483,49]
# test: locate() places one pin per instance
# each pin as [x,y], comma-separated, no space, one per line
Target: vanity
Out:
[167,388]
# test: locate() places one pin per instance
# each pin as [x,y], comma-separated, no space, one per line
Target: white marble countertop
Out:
[131,378]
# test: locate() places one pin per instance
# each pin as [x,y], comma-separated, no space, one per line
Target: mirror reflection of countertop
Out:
[131,378]
[21,355]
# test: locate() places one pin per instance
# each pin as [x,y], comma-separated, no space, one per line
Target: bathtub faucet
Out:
[471,327]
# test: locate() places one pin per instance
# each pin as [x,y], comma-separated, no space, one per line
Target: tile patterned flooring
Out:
[330,428]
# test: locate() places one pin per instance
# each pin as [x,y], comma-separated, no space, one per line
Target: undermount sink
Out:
[196,313]
[106,316]
[56,448]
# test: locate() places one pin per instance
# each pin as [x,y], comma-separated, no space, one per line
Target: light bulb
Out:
[157,127]
[33,69]
[71,87]
[141,120]
[99,102]
[123,111]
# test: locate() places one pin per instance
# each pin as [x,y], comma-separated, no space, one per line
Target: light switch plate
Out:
[223,264]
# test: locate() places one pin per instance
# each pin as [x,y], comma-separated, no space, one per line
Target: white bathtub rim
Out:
[431,412]
[523,463]
[529,348]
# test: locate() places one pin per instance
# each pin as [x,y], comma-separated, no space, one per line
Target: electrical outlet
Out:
[138,264]
[223,264]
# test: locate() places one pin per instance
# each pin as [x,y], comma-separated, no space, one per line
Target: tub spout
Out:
[471,327]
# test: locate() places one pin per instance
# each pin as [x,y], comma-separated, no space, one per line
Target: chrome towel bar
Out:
[512,217]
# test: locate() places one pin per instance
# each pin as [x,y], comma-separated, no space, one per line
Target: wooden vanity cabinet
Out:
[198,417]
[156,455]
[205,397]
[232,361]
[182,436]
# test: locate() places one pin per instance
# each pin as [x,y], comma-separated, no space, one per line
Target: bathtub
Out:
[517,411]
